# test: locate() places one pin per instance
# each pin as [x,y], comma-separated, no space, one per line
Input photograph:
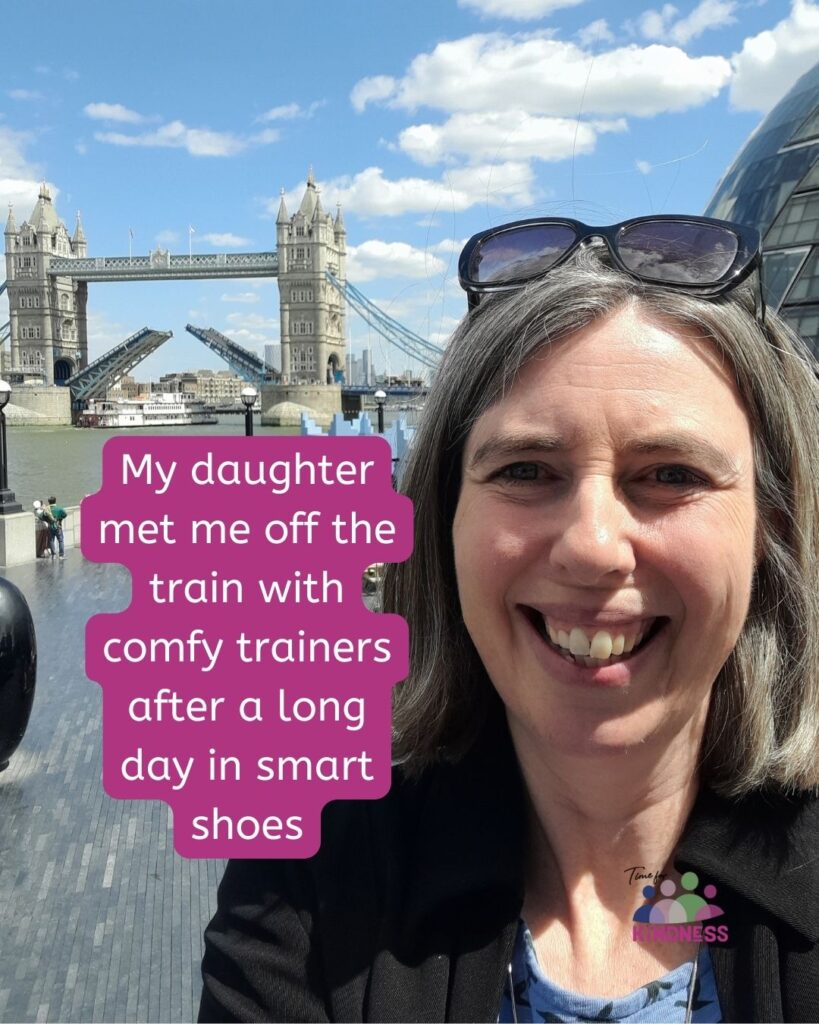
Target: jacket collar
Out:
[469,838]
[765,848]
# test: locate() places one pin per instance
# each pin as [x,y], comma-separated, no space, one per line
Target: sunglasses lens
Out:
[678,252]
[520,254]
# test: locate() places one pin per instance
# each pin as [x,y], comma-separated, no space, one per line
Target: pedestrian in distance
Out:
[55,527]
[42,536]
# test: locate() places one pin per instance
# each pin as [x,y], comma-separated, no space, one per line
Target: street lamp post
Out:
[380,398]
[8,503]
[248,397]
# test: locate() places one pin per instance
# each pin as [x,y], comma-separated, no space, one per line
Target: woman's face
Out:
[607,509]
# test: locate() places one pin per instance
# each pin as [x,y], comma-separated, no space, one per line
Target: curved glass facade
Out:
[774,185]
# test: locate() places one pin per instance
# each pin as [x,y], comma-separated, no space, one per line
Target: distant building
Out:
[774,185]
[216,387]
[367,372]
[127,387]
[48,337]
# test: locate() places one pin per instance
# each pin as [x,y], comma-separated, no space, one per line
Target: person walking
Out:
[55,527]
[43,536]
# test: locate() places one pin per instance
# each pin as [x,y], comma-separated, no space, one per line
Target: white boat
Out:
[160,410]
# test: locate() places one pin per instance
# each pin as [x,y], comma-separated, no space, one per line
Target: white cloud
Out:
[243,297]
[252,328]
[226,238]
[643,166]
[113,112]
[81,147]
[519,10]
[175,134]
[265,136]
[248,338]
[19,179]
[290,111]
[487,136]
[771,62]
[103,333]
[24,94]
[375,259]
[369,193]
[372,90]
[282,113]
[167,237]
[252,319]
[542,75]
[666,26]
[451,246]
[594,33]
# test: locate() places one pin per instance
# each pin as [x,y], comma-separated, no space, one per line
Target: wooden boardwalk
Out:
[99,919]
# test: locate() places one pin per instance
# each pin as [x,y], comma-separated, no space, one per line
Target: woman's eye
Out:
[677,476]
[521,472]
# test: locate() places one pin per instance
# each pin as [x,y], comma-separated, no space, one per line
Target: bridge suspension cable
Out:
[425,352]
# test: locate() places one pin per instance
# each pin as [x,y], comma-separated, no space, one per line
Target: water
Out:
[67,461]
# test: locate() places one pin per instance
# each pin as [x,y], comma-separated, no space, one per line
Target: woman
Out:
[614,614]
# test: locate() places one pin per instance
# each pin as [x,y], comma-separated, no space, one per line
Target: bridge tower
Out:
[312,311]
[47,315]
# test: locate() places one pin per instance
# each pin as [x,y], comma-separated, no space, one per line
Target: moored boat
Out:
[160,410]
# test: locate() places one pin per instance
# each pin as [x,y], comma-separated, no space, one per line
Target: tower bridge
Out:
[48,272]
[160,265]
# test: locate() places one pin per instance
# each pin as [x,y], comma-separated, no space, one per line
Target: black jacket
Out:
[409,910]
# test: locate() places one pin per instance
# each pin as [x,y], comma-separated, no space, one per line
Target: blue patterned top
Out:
[665,1000]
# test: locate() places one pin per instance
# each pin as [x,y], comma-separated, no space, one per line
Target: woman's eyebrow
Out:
[687,447]
[505,445]
[679,445]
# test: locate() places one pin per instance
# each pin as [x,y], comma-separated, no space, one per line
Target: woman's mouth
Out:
[595,648]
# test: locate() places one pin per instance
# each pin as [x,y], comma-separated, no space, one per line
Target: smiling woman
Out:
[614,612]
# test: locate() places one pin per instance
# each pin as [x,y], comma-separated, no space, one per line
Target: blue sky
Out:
[429,120]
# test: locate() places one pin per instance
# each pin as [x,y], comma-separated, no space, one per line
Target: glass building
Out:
[774,185]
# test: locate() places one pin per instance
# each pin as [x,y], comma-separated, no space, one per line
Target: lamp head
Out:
[380,396]
[248,396]
[5,393]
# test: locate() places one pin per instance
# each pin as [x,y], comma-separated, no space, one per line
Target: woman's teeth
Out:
[599,648]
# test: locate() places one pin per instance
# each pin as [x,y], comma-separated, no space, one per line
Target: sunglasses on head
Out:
[699,255]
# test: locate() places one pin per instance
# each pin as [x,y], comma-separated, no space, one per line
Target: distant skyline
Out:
[428,120]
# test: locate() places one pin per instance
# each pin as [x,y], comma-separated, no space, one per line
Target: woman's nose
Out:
[593,537]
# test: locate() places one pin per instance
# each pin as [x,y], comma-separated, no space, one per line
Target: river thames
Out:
[67,461]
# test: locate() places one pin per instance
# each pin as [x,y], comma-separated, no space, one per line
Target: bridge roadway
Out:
[162,266]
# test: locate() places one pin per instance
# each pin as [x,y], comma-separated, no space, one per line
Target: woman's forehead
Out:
[623,373]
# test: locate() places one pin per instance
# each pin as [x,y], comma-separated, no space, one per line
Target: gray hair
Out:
[763,722]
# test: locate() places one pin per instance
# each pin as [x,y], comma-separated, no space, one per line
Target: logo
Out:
[675,913]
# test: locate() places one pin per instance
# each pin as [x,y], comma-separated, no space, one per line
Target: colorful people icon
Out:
[687,908]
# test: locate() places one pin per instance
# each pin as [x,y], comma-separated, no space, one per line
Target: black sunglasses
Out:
[696,254]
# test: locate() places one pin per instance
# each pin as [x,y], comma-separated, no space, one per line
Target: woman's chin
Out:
[629,737]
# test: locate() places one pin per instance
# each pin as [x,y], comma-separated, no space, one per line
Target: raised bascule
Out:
[48,272]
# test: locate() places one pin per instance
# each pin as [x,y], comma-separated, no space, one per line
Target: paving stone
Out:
[101,919]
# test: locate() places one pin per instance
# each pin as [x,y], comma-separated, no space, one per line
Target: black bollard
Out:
[18,668]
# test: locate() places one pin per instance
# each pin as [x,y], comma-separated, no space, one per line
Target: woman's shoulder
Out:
[763,848]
